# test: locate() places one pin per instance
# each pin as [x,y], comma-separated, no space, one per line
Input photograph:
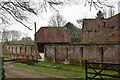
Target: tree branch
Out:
[16,18]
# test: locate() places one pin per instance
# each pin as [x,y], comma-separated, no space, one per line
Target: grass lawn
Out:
[69,71]
[7,58]
[62,70]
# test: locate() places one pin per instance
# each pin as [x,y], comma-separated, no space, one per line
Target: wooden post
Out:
[45,49]
[81,51]
[36,53]
[25,52]
[20,52]
[55,55]
[68,53]
[30,52]
[36,49]
[81,54]
[8,51]
[11,53]
[16,53]
[102,53]
[35,31]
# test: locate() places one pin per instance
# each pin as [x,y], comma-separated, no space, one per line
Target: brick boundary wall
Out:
[20,52]
[74,54]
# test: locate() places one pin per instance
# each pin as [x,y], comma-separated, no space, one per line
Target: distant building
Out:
[102,30]
[51,35]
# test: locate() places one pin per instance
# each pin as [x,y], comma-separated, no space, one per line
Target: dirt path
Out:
[16,72]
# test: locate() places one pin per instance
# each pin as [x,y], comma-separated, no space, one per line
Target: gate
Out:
[97,71]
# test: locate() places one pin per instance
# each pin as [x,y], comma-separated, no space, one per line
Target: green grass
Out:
[53,71]
[69,71]
[61,66]
[7,58]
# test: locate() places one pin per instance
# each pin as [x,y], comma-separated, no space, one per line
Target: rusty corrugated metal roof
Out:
[52,35]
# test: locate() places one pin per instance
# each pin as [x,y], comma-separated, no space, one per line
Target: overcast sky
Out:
[70,13]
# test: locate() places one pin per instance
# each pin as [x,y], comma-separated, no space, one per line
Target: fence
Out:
[74,54]
[20,52]
[101,67]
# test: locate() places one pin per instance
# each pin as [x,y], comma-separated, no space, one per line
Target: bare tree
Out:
[97,4]
[10,35]
[80,22]
[14,35]
[111,11]
[19,9]
[4,36]
[57,20]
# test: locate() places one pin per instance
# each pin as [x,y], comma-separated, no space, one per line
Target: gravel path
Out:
[17,72]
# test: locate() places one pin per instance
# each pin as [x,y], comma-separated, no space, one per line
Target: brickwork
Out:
[101,30]
[20,51]
[75,53]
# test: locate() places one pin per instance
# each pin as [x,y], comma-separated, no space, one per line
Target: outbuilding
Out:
[51,35]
